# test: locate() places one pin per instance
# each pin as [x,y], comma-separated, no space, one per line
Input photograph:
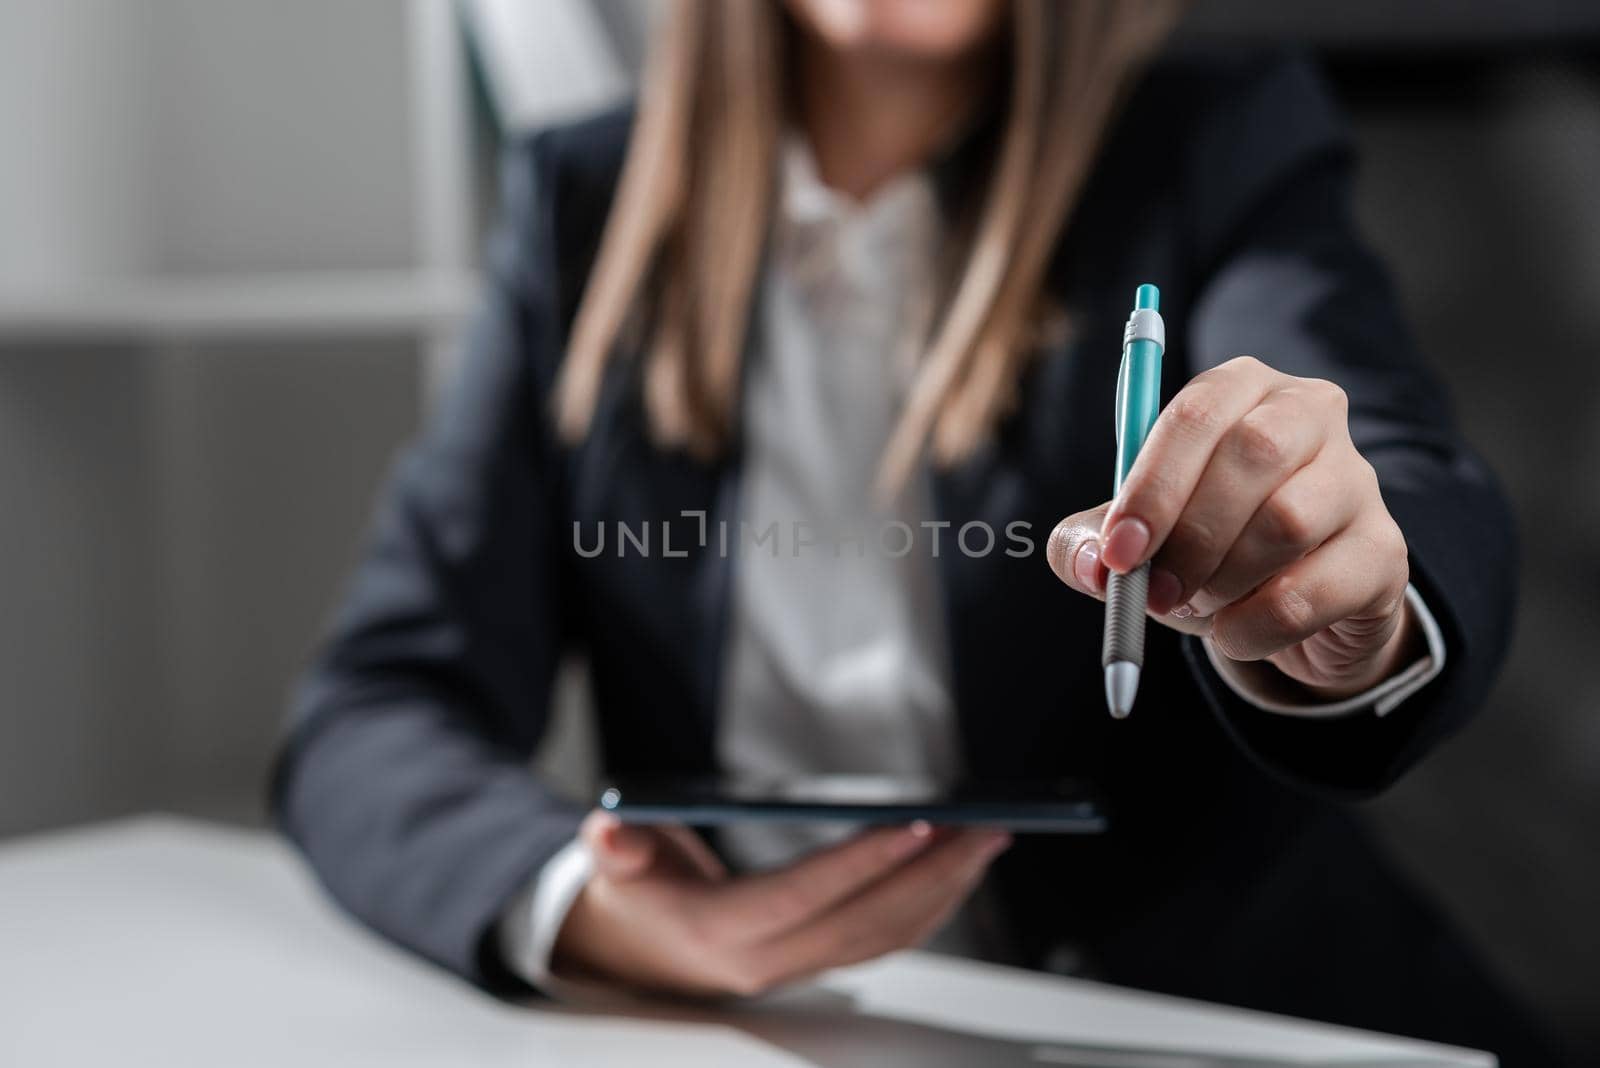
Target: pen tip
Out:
[1122,685]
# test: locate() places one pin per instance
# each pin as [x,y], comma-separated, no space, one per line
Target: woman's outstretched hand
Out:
[660,911]
[1265,530]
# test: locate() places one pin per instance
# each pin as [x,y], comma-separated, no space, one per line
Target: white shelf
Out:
[242,307]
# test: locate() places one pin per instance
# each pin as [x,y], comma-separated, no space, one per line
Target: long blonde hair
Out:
[686,231]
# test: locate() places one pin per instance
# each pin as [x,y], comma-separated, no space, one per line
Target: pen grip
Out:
[1126,597]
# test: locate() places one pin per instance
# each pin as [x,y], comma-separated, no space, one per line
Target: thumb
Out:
[1074,551]
[1074,554]
[619,851]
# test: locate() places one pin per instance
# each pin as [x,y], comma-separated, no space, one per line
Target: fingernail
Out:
[916,836]
[1183,611]
[1125,544]
[1087,565]
[1166,590]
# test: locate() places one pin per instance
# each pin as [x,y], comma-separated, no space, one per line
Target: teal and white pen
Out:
[1138,401]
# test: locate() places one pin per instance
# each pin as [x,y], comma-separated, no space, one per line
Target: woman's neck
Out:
[868,121]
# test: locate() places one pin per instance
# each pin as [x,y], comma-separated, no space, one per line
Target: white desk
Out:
[163,942]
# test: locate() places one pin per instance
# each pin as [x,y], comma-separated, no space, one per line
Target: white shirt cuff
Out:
[1262,686]
[529,926]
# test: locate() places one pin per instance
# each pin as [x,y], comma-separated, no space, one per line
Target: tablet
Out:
[1058,806]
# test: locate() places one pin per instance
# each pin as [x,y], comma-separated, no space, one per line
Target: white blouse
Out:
[836,659]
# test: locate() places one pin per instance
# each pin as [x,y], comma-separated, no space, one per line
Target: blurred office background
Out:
[236,238]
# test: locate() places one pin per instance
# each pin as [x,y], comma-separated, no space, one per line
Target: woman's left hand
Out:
[1265,529]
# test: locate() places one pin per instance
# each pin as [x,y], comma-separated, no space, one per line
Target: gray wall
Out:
[1480,187]
[202,135]
[79,689]
[175,524]
[282,131]
[70,187]
[175,509]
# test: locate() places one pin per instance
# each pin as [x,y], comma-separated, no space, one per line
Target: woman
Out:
[868,263]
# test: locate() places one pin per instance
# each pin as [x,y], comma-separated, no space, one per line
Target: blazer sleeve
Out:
[1285,276]
[404,778]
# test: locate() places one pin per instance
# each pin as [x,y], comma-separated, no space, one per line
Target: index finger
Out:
[769,903]
[1174,457]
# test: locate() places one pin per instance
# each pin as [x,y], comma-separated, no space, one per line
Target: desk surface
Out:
[158,941]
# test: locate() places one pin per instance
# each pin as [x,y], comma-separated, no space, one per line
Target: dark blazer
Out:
[1233,870]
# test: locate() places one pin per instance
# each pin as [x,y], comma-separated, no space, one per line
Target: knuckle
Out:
[1289,521]
[1227,640]
[1195,412]
[1331,396]
[1392,542]
[1151,494]
[1289,612]
[1211,598]
[1392,595]
[1363,477]
[1191,538]
[1246,364]
[1261,441]
[1340,399]
[1370,473]
[1388,544]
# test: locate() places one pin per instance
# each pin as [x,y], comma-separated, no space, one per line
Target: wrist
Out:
[567,959]
[531,924]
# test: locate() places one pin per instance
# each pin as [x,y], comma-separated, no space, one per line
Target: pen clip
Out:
[1122,386]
